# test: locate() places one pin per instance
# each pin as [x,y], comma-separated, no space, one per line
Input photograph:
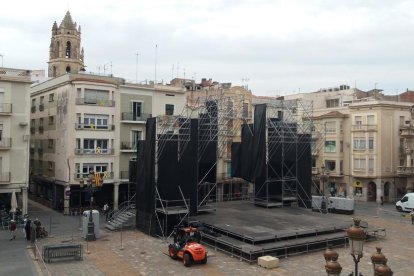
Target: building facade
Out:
[14,135]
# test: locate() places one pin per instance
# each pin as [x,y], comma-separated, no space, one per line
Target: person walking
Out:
[106,211]
[12,227]
[412,216]
[27,229]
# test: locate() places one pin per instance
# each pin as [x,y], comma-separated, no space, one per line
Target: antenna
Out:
[136,69]
[156,52]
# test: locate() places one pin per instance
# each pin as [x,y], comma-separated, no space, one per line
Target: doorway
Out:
[372,191]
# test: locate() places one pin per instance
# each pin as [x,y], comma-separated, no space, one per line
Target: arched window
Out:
[68,49]
[54,72]
[67,69]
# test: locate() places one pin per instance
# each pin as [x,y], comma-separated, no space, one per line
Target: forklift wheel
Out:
[171,252]
[204,261]
[187,260]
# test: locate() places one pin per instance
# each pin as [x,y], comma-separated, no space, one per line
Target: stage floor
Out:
[250,231]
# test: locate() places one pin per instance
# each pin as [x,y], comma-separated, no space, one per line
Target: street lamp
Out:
[356,236]
[333,268]
[91,227]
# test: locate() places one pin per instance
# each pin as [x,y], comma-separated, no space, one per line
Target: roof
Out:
[332,114]
[67,22]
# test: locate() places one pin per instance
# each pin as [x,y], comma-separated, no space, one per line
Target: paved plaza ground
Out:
[144,255]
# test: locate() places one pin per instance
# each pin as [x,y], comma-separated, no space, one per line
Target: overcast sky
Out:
[281,47]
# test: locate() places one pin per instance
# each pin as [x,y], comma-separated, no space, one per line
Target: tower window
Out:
[67,69]
[68,49]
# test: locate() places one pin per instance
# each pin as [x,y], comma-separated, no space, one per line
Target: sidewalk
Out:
[144,255]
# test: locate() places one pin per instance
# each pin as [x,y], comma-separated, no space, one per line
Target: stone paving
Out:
[144,255]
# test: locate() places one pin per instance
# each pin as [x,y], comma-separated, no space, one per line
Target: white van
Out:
[406,203]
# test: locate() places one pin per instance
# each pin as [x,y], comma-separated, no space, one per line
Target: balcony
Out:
[407,131]
[104,175]
[5,143]
[124,175]
[96,102]
[366,128]
[33,109]
[131,117]
[5,177]
[96,151]
[94,127]
[128,146]
[41,129]
[5,108]
[41,107]
[403,170]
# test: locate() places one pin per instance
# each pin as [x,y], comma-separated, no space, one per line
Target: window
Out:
[330,146]
[51,97]
[51,120]
[99,146]
[96,96]
[245,110]
[33,102]
[341,146]
[68,49]
[97,168]
[359,143]
[371,165]
[136,110]
[330,165]
[94,121]
[371,143]
[402,121]
[359,164]
[330,127]
[358,122]
[32,122]
[50,166]
[169,109]
[136,136]
[42,99]
[50,143]
[332,103]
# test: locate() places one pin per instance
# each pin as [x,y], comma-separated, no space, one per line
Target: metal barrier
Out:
[62,251]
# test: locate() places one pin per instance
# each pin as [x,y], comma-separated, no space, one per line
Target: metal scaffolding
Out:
[289,129]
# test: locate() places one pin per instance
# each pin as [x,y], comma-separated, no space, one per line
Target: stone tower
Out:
[65,54]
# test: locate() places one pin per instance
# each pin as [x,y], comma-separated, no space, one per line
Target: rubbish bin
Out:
[95,216]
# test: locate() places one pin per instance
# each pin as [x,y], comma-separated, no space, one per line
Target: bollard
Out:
[122,248]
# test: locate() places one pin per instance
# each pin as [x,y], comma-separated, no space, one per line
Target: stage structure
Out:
[275,153]
[177,163]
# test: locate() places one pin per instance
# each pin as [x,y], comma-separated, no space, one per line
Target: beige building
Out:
[361,150]
[14,135]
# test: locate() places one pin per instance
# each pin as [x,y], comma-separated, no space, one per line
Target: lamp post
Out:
[356,236]
[91,228]
[332,267]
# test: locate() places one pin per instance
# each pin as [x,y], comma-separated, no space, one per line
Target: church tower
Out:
[65,54]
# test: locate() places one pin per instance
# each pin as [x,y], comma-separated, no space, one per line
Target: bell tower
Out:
[65,54]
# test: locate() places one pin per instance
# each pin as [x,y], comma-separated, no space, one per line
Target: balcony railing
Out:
[5,143]
[5,177]
[41,107]
[403,170]
[407,131]
[364,127]
[97,102]
[128,146]
[5,108]
[129,116]
[104,175]
[94,127]
[124,174]
[33,109]
[96,151]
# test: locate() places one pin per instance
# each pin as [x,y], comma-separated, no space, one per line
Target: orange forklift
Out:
[187,246]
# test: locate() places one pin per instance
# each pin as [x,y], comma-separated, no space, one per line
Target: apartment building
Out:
[14,135]
[362,146]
